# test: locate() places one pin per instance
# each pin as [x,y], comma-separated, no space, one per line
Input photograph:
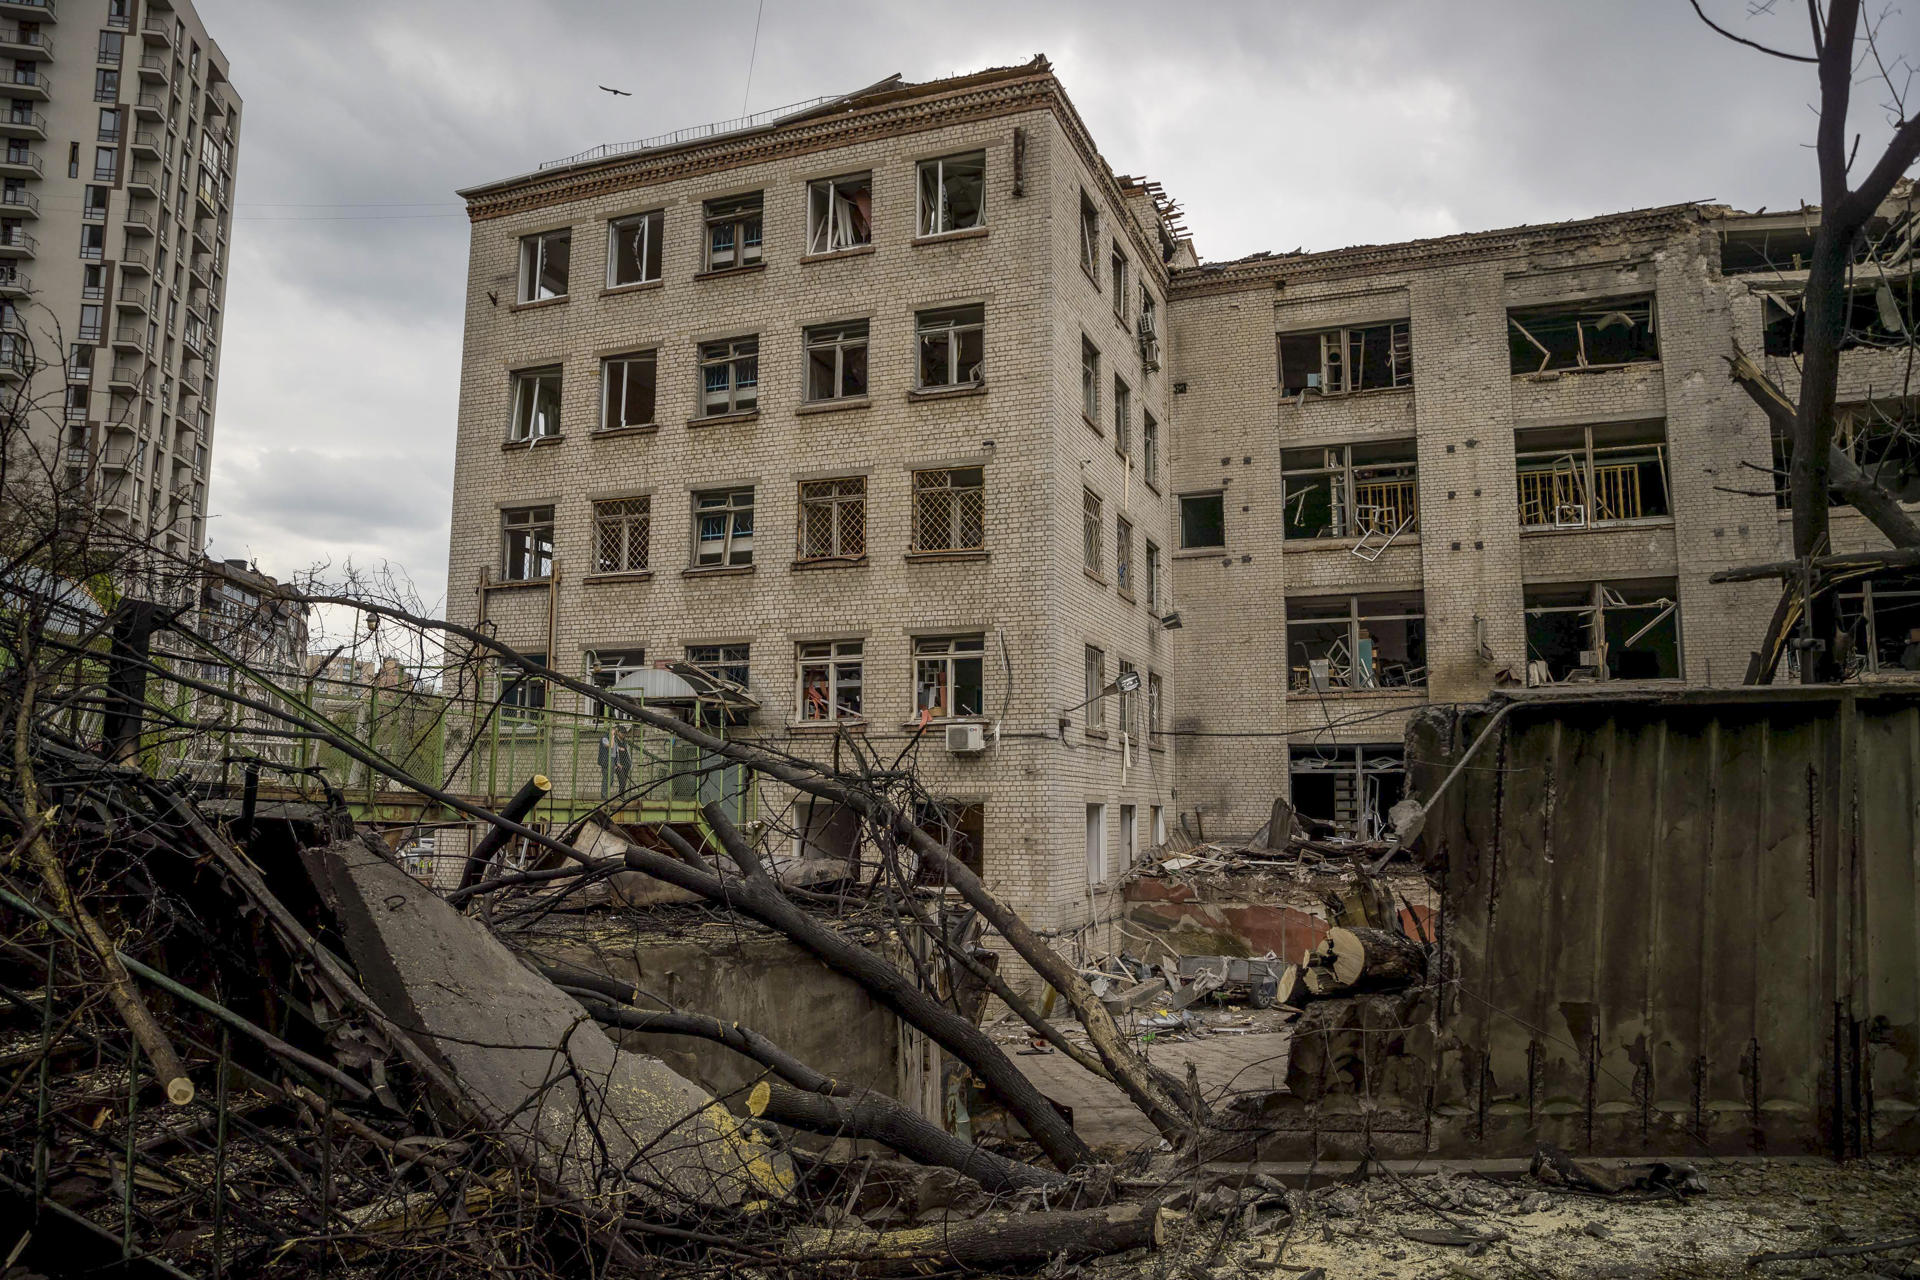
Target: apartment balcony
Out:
[130,338]
[200,269]
[208,195]
[119,457]
[145,145]
[190,383]
[18,202]
[19,163]
[139,222]
[28,82]
[16,243]
[23,122]
[31,10]
[143,184]
[203,236]
[150,106]
[127,377]
[158,30]
[25,46]
[135,262]
[153,69]
[14,284]
[133,298]
[13,358]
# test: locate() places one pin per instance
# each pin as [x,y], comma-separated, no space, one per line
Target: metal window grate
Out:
[623,534]
[1091,527]
[949,510]
[833,518]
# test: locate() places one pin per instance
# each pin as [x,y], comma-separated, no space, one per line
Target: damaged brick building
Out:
[898,414]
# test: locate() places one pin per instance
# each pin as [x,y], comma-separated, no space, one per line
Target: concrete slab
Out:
[602,1122]
[1226,1064]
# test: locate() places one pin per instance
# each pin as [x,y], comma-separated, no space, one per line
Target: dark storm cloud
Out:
[1312,123]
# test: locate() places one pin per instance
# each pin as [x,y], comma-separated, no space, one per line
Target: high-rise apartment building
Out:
[930,437]
[120,126]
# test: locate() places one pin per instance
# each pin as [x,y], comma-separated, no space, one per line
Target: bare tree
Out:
[1844,44]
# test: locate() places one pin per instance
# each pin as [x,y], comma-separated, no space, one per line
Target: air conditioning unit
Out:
[966,739]
[1149,352]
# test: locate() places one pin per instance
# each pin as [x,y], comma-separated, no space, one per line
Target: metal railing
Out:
[21,198]
[695,133]
[35,39]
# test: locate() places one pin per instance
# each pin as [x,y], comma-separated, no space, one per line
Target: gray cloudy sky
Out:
[1314,123]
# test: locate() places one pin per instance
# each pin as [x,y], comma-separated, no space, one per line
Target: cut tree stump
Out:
[1374,959]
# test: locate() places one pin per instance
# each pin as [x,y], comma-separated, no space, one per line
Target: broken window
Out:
[1130,710]
[1877,315]
[1780,249]
[536,404]
[1122,416]
[1096,673]
[1880,616]
[543,264]
[1123,555]
[1153,577]
[1090,380]
[627,391]
[622,530]
[1117,270]
[1602,631]
[609,669]
[1203,520]
[1882,438]
[837,361]
[527,543]
[729,376]
[1351,491]
[1096,844]
[830,680]
[839,213]
[723,527]
[947,673]
[633,249]
[1356,642]
[1092,531]
[953,191]
[1351,788]
[1338,361]
[833,519]
[1573,477]
[522,696]
[1150,450]
[1154,703]
[824,829]
[960,828]
[1089,236]
[1582,335]
[952,346]
[950,509]
[733,232]
[721,661]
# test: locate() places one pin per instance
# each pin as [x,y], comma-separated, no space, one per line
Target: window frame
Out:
[1203,495]
[945,653]
[630,519]
[841,341]
[608,384]
[1094,672]
[1117,269]
[1123,555]
[1361,608]
[1596,468]
[833,503]
[522,695]
[527,384]
[651,253]
[724,660]
[535,258]
[956,517]
[950,325]
[1336,361]
[604,674]
[1150,449]
[1395,479]
[1602,595]
[741,214]
[816,245]
[1090,236]
[1122,415]
[1093,529]
[724,504]
[834,660]
[527,524]
[938,224]
[1090,380]
[731,354]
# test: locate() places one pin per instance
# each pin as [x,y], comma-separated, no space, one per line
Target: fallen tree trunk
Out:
[989,1243]
[879,1118]
[755,895]
[1374,959]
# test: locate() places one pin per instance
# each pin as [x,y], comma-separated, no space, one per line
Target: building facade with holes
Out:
[905,416]
[121,126]
[862,411]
